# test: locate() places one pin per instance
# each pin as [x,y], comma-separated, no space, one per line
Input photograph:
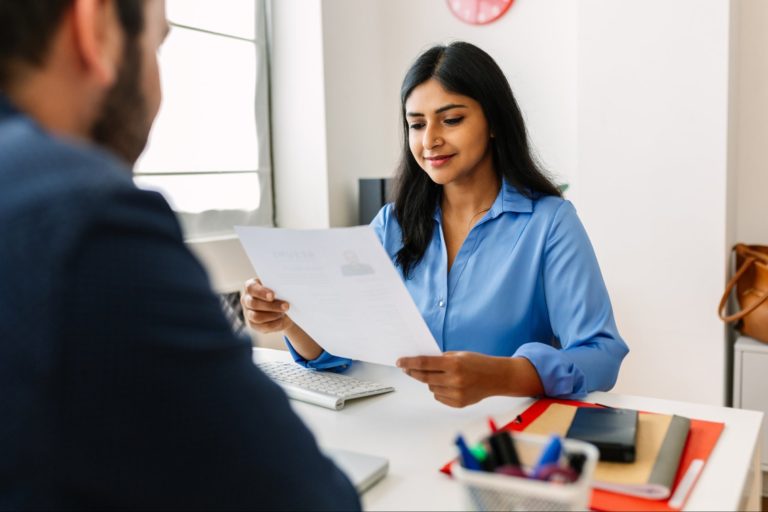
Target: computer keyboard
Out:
[330,390]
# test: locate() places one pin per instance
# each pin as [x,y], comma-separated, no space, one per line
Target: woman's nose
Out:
[431,139]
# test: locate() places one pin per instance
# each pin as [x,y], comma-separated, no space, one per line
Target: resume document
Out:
[343,290]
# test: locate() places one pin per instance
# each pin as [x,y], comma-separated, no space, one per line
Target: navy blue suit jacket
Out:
[121,382]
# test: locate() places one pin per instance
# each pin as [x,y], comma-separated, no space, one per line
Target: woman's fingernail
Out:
[285,306]
[270,296]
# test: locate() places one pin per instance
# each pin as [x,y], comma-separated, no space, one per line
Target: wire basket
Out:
[491,491]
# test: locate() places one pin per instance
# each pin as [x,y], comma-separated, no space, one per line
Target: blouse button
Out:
[441,303]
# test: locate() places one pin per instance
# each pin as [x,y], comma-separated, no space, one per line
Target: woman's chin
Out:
[440,177]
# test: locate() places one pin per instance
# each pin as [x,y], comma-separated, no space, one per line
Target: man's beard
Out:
[123,124]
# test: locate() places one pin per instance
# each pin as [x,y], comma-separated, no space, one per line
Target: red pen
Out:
[492,426]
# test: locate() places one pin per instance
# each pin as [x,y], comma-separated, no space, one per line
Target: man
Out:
[121,383]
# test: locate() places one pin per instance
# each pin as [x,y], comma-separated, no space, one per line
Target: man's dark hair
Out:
[27,27]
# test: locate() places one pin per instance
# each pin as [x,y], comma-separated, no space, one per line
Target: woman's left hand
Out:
[459,379]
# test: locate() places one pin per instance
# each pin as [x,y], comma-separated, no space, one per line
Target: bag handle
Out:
[729,287]
[747,251]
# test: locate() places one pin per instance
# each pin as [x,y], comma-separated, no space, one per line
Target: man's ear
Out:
[98,38]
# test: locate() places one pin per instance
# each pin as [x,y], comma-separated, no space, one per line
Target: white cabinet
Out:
[750,386]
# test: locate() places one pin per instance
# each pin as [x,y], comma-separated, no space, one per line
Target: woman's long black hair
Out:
[465,69]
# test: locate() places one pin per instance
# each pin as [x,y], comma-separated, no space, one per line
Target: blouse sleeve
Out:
[325,361]
[580,313]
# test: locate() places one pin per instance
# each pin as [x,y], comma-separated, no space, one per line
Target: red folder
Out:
[701,441]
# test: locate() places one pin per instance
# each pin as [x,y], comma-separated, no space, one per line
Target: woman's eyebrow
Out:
[438,111]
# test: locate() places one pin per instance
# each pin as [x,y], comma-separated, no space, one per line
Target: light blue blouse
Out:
[525,283]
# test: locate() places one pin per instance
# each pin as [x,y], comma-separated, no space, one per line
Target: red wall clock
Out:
[479,12]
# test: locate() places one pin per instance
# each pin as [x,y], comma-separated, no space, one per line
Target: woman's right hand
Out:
[262,311]
[265,314]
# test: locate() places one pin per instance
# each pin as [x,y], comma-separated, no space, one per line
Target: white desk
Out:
[416,433]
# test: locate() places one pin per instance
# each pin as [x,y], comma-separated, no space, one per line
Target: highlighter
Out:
[485,456]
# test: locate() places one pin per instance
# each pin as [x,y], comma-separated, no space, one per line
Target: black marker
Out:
[503,449]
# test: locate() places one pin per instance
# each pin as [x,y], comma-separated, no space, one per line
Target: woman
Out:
[497,262]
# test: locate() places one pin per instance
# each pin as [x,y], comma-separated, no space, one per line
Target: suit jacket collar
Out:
[6,107]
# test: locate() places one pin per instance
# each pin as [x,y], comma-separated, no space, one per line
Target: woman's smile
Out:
[439,160]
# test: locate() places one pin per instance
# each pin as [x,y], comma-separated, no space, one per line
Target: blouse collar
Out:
[509,199]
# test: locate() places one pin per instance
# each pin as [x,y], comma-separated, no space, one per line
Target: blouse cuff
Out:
[561,378]
[325,361]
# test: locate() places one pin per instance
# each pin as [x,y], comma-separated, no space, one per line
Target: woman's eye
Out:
[453,120]
[416,126]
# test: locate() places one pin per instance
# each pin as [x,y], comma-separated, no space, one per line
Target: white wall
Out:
[358,109]
[628,101]
[653,135]
[299,150]
[751,130]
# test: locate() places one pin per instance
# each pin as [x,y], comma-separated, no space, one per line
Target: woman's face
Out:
[447,133]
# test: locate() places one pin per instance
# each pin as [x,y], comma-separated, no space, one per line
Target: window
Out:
[208,152]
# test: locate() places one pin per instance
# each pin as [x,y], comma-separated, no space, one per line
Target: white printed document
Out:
[343,290]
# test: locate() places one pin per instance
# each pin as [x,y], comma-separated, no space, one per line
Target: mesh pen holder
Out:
[491,491]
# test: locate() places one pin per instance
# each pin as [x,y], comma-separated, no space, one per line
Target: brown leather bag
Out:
[751,282]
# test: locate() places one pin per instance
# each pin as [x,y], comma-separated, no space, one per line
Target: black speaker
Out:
[373,194]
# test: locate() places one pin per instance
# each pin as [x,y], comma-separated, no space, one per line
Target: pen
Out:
[549,455]
[467,459]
